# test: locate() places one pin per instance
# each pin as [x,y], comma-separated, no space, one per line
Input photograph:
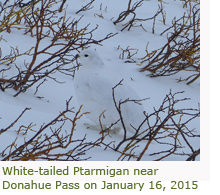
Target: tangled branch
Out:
[51,141]
[131,12]
[181,52]
[168,127]
[42,24]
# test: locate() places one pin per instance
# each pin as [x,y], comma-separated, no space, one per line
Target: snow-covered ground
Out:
[54,95]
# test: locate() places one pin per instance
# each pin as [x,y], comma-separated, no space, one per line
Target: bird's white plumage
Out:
[93,86]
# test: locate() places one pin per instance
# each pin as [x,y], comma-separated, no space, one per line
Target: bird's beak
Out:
[76,56]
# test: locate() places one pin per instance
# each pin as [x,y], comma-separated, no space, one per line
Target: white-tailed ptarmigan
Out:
[94,90]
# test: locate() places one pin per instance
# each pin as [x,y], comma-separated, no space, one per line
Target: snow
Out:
[51,97]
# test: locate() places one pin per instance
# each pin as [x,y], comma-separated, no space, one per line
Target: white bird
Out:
[94,84]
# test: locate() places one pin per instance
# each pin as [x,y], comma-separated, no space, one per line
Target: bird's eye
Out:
[86,55]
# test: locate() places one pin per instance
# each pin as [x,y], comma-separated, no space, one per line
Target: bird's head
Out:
[89,58]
